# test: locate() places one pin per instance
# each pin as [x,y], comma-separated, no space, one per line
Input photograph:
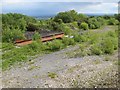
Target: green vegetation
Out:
[97,44]
[33,67]
[73,25]
[84,26]
[55,45]
[52,75]
[11,35]
[36,36]
[97,62]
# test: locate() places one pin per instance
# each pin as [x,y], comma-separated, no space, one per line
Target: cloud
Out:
[100,8]
[51,8]
[104,1]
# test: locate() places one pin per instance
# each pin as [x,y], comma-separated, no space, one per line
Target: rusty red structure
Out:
[43,39]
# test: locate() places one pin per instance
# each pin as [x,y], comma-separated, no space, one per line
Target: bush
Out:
[71,41]
[55,45]
[32,27]
[115,43]
[36,36]
[113,21]
[7,46]
[75,24]
[67,30]
[68,41]
[77,38]
[34,46]
[94,38]
[111,34]
[83,38]
[10,35]
[96,49]
[93,23]
[107,46]
[84,26]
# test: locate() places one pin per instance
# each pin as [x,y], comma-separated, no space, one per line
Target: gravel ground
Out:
[88,71]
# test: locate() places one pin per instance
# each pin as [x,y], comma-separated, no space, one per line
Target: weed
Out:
[97,62]
[107,58]
[33,67]
[52,75]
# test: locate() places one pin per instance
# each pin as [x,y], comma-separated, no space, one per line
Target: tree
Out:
[67,16]
[113,21]
[117,16]
[93,23]
[32,27]
[82,18]
[84,26]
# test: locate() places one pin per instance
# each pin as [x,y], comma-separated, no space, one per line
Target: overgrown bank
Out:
[78,28]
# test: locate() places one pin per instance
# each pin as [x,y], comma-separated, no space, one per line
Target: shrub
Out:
[65,41]
[67,30]
[75,24]
[36,36]
[113,21]
[32,27]
[115,43]
[59,21]
[71,41]
[84,26]
[107,46]
[92,26]
[83,38]
[68,41]
[93,23]
[94,38]
[7,46]
[111,34]
[55,45]
[77,38]
[10,35]
[35,46]
[96,49]
[114,38]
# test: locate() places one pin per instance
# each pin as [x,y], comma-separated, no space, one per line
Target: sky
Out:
[52,7]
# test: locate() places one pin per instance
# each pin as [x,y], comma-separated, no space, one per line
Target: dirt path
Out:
[35,73]
[106,28]
[57,70]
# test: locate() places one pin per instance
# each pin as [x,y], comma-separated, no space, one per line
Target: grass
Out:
[33,67]
[117,62]
[72,69]
[31,62]
[97,62]
[36,76]
[52,75]
[7,46]
[20,54]
[107,58]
